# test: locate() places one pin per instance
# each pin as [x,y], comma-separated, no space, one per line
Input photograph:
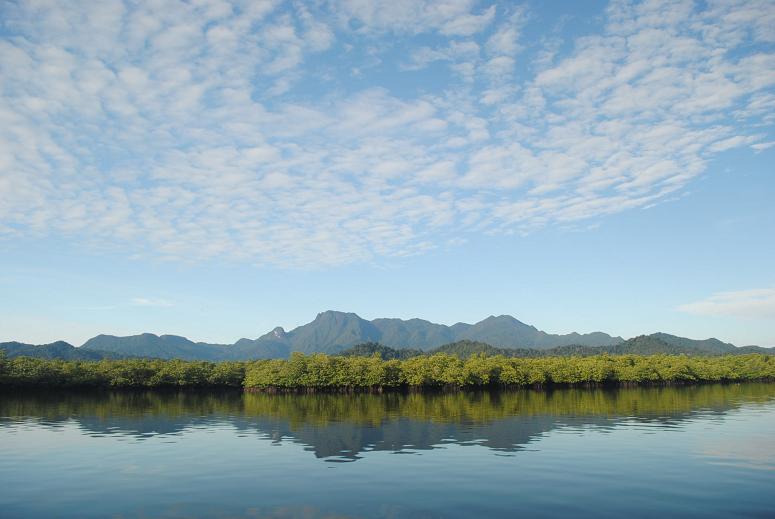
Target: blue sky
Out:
[215,169]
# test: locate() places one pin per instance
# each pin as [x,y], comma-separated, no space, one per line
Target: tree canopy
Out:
[325,372]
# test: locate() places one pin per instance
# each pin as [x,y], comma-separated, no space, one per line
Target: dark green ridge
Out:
[642,345]
[56,350]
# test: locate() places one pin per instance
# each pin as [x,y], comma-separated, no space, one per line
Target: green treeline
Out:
[325,372]
[129,373]
[441,370]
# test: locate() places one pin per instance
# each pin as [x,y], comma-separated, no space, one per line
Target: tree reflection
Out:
[345,426]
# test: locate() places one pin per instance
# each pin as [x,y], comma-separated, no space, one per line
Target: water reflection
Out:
[346,427]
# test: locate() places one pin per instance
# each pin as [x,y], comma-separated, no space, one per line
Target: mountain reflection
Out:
[345,427]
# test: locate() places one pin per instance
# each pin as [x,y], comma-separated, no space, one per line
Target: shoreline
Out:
[493,388]
[402,390]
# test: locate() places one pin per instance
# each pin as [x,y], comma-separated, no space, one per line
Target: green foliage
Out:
[323,371]
[320,371]
[441,370]
[367,349]
[129,373]
[465,349]
[658,343]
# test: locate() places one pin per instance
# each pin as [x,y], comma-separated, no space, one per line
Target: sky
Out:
[214,169]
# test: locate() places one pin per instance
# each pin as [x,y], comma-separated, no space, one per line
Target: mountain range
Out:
[333,332]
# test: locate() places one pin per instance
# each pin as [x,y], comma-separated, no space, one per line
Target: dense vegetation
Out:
[641,345]
[441,370]
[324,372]
[131,373]
[368,349]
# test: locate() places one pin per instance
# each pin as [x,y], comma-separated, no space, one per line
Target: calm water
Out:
[699,451]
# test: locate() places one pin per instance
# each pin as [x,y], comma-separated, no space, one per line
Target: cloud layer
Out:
[756,303]
[144,301]
[280,134]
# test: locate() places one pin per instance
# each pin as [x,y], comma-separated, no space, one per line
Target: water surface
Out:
[702,451]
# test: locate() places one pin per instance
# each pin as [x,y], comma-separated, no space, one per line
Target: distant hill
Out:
[334,332]
[507,332]
[413,333]
[272,345]
[385,352]
[55,350]
[162,347]
[465,349]
[331,332]
[708,345]
[641,345]
[755,349]
[462,349]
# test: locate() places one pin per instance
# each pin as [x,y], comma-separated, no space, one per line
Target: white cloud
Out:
[456,51]
[449,17]
[761,146]
[747,304]
[144,301]
[499,66]
[505,39]
[468,24]
[226,130]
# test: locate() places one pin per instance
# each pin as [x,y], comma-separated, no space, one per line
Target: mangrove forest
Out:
[350,373]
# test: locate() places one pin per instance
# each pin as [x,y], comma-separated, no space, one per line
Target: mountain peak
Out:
[60,344]
[504,318]
[335,313]
[278,333]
